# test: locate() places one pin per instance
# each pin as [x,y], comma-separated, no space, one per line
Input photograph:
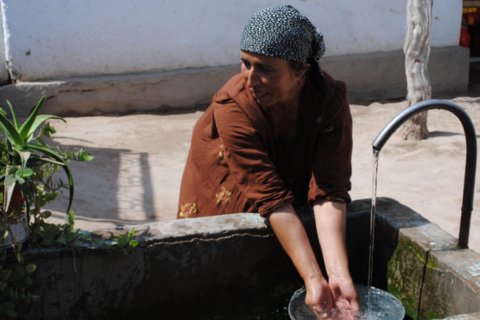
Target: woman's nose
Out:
[252,78]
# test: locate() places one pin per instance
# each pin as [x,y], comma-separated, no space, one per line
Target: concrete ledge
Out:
[381,76]
[233,267]
[451,284]
[168,91]
[369,77]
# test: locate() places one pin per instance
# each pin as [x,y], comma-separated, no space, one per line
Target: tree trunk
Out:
[417,52]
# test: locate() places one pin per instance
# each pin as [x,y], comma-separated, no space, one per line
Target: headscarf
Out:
[283,32]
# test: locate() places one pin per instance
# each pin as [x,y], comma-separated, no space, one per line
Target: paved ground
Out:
[136,174]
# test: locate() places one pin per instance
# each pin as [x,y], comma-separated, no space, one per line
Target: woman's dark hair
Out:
[315,77]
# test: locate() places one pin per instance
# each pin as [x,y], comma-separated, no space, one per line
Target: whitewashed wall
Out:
[64,38]
[3,65]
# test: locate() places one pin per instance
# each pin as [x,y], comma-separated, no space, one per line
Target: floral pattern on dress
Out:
[328,129]
[319,121]
[223,196]
[222,152]
[335,199]
[188,209]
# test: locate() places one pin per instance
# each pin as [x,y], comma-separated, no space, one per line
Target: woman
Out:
[279,133]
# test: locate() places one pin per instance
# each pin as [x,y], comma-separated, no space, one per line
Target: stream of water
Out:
[373,210]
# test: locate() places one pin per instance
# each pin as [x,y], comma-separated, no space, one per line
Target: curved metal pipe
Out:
[471,145]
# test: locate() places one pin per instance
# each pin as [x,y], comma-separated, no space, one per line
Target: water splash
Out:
[376,155]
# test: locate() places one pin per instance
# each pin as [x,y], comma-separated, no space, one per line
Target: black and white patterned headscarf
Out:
[283,32]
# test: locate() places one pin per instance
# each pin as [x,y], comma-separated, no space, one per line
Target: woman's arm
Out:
[330,218]
[292,236]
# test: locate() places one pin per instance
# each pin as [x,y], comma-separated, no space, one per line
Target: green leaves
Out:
[8,191]
[5,274]
[80,155]
[7,309]
[9,130]
[126,241]
[11,178]
[46,214]
[27,168]
[20,152]
[20,269]
[14,279]
[14,115]
[28,125]
[48,152]
[106,246]
[3,236]
[31,268]
[48,130]
[71,218]
[24,155]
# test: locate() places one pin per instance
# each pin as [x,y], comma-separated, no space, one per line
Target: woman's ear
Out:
[302,69]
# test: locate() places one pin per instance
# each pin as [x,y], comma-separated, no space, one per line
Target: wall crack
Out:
[209,240]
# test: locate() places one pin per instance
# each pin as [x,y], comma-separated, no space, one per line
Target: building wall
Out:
[69,38]
[3,65]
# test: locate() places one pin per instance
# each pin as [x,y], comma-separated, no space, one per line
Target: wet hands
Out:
[319,296]
[344,294]
[336,299]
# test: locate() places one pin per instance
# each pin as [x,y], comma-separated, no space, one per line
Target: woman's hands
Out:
[339,292]
[344,294]
[330,218]
[319,295]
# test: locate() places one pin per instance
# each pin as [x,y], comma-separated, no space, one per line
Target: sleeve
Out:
[332,166]
[248,160]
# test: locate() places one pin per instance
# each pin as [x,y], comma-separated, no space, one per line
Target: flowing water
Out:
[373,210]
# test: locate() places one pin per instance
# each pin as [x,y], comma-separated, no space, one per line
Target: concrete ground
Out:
[139,159]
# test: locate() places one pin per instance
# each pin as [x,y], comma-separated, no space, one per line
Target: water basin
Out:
[384,306]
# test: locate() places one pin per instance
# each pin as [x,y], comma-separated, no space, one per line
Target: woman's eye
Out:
[246,64]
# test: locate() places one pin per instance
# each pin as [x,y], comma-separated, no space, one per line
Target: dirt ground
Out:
[139,159]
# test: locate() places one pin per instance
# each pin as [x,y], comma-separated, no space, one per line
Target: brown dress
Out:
[236,165]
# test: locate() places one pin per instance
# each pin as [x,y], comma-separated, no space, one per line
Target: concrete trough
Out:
[232,267]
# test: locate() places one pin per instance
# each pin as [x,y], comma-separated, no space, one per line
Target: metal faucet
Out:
[471,162]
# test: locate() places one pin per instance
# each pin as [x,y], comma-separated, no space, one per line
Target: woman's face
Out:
[270,79]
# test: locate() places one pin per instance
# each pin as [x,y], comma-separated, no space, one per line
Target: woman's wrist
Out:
[316,279]
[346,277]
[313,276]
[338,271]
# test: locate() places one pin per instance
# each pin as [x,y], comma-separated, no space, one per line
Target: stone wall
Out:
[232,267]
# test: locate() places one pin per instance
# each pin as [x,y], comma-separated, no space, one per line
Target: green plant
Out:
[27,168]
[27,183]
[14,276]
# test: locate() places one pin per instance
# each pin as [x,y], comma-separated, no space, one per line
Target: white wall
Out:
[3,66]
[64,38]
